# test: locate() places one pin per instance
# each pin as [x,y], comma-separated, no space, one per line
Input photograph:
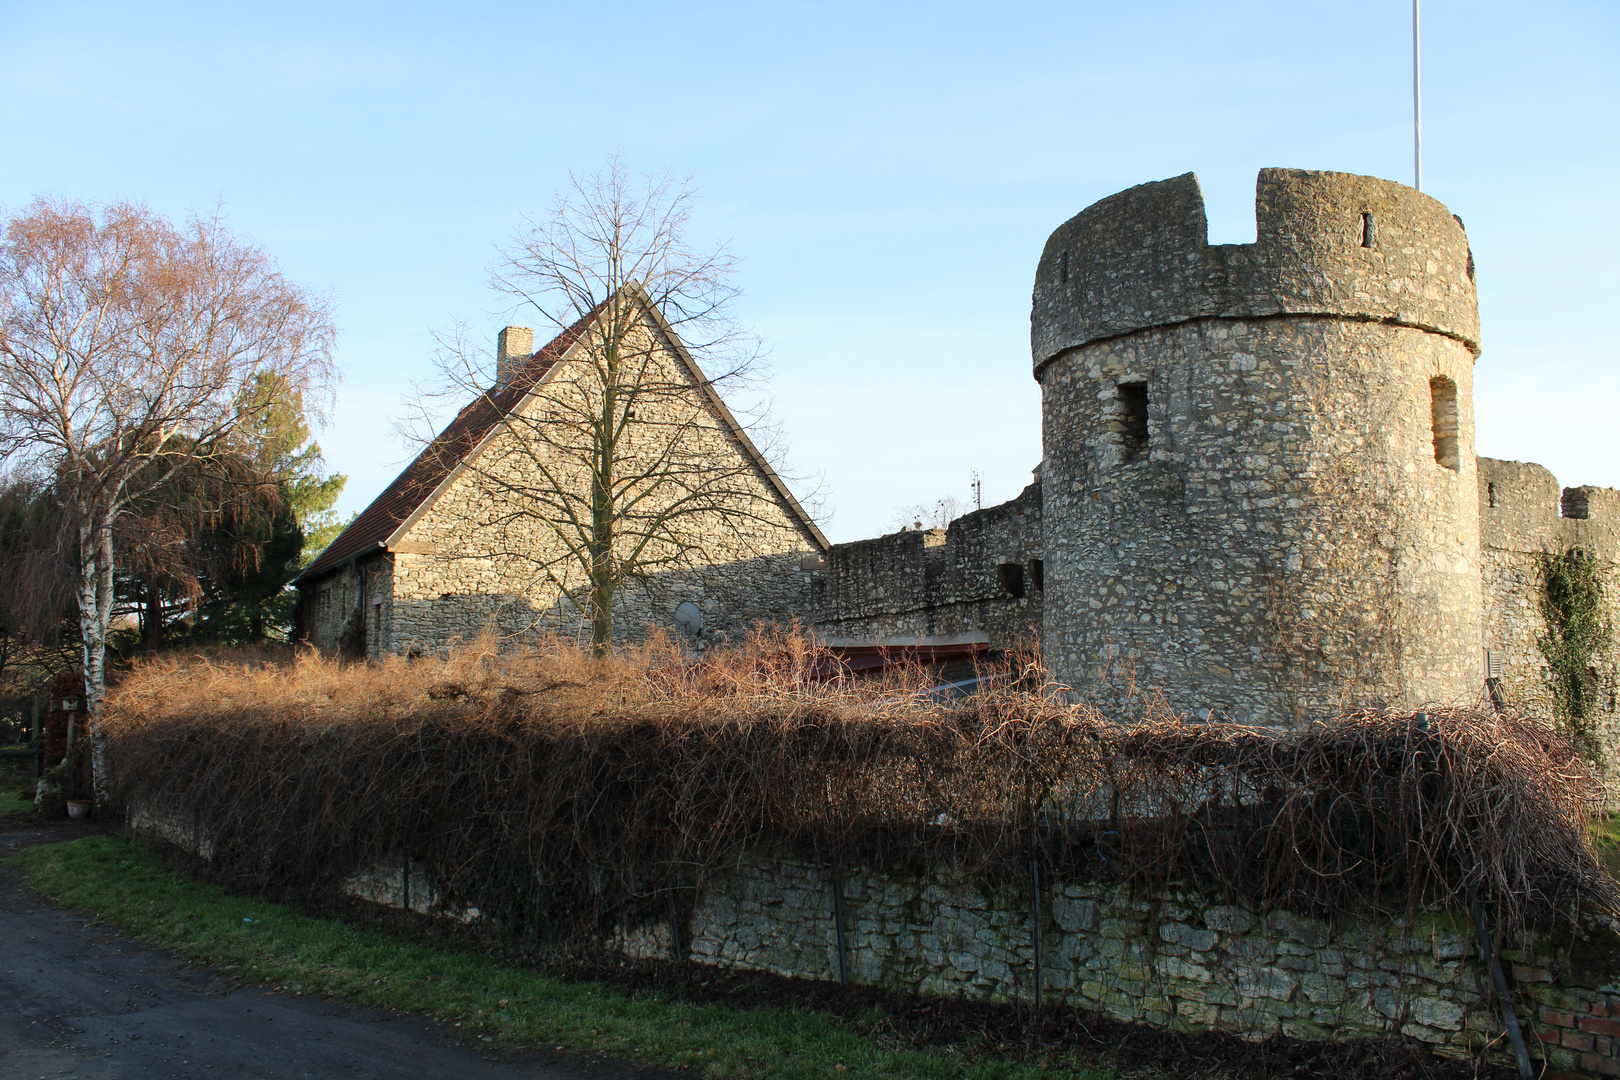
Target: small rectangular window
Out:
[1133,418]
[1443,416]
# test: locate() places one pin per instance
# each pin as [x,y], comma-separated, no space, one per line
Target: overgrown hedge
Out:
[564,796]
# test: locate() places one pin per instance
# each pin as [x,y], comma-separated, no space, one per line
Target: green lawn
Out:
[1606,842]
[16,802]
[255,941]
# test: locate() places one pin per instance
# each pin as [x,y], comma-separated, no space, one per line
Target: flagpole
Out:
[1417,102]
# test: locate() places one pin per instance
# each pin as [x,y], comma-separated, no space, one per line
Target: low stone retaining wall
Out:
[1181,960]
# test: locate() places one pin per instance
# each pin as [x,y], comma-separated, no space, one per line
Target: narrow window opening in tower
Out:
[1490,496]
[1065,267]
[1369,231]
[1443,413]
[1133,418]
[1011,576]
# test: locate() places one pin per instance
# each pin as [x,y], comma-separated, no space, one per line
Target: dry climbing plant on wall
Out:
[565,796]
[1572,605]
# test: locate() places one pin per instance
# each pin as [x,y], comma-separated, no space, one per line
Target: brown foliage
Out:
[134,351]
[562,794]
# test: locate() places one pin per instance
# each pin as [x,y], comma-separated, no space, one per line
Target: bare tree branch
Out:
[619,463]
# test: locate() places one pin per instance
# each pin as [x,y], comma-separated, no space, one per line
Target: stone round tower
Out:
[1259,482]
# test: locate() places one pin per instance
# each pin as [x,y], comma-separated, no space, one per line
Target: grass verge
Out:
[257,941]
[1606,843]
[16,802]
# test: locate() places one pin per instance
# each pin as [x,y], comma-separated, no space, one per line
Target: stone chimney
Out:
[513,348]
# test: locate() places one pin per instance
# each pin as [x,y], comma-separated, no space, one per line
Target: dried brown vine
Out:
[566,796]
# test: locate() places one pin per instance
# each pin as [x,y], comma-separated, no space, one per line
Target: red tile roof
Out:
[422,477]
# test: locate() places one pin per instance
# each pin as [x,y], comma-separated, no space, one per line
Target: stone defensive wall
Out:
[984,573]
[1183,960]
[1235,439]
[1522,513]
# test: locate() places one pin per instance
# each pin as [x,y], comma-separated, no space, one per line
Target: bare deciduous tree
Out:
[935,515]
[133,350]
[622,463]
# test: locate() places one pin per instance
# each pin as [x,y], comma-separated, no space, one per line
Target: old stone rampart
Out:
[1183,959]
[984,573]
[1522,508]
[1523,513]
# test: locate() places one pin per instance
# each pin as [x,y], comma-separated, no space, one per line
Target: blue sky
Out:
[887,172]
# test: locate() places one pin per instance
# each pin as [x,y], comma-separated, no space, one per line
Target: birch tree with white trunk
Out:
[132,349]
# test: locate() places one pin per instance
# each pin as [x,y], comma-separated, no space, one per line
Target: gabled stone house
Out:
[458,544]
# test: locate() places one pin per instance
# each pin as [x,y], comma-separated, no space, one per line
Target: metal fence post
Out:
[675,952]
[838,920]
[1035,912]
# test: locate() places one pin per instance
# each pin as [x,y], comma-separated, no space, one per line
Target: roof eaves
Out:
[306,575]
[460,467]
[370,530]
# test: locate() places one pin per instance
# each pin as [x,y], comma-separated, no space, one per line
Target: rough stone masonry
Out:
[1260,499]
[1260,493]
[1183,959]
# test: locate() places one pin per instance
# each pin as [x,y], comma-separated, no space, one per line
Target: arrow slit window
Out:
[1443,418]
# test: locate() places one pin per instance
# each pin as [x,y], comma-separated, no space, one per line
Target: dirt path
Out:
[79,999]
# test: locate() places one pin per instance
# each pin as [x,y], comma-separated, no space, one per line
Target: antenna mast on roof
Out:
[1417,102]
[978,491]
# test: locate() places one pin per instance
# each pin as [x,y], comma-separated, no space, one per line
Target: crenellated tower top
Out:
[1327,243]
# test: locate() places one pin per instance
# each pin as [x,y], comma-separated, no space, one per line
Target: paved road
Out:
[78,999]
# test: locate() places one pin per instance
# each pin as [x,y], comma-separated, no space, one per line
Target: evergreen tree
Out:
[211,556]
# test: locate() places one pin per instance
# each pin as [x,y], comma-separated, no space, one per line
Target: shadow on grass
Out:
[14,803]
